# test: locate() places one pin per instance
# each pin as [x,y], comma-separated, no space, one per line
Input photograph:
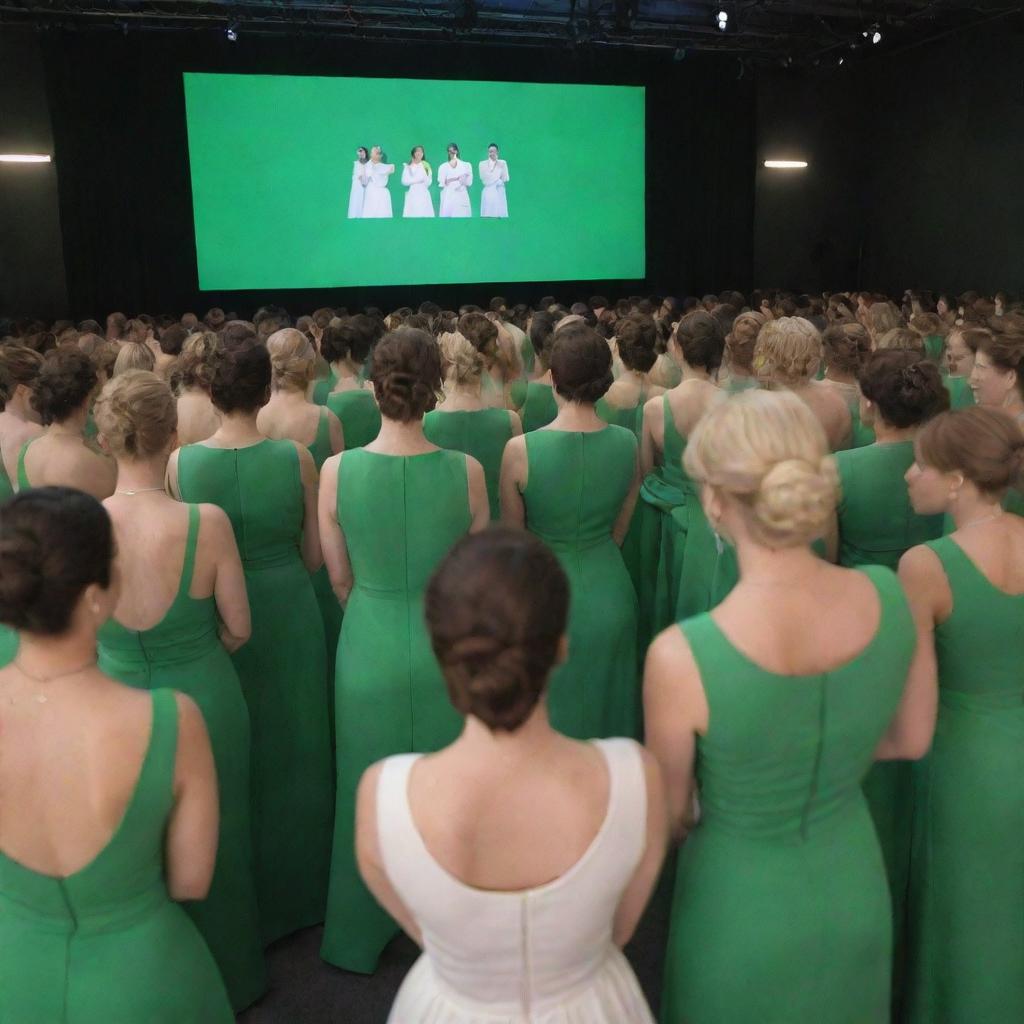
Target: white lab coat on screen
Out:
[358,191]
[493,175]
[417,179]
[454,183]
[378,199]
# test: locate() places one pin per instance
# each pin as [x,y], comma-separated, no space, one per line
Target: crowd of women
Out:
[267,654]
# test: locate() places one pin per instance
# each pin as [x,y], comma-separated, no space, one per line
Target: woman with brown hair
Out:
[739,353]
[388,514]
[346,345]
[966,946]
[181,611]
[19,420]
[511,814]
[60,456]
[997,379]
[846,346]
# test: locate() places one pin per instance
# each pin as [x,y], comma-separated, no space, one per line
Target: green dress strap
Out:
[23,481]
[154,791]
[320,449]
[188,564]
[6,488]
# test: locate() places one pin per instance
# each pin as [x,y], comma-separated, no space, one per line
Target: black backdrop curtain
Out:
[117,107]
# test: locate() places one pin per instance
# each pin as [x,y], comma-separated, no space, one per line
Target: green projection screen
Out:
[277,195]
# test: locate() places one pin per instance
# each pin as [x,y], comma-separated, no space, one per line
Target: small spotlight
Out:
[876,37]
[232,32]
[785,165]
[24,158]
[842,61]
[723,20]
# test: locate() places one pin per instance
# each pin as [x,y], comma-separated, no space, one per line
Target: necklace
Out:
[138,490]
[982,519]
[41,698]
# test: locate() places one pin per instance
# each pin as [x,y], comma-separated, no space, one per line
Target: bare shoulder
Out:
[920,564]
[670,653]
[214,521]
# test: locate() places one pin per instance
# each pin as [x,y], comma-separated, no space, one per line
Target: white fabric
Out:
[493,202]
[454,183]
[358,190]
[377,202]
[540,956]
[418,203]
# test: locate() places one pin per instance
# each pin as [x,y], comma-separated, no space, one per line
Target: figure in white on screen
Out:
[378,199]
[493,175]
[454,178]
[416,176]
[360,178]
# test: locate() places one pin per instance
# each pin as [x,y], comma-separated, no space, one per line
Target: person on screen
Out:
[493,175]
[454,178]
[360,179]
[377,201]
[416,176]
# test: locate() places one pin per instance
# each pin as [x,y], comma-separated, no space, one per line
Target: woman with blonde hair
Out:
[785,851]
[133,356]
[190,381]
[182,609]
[739,353]
[19,420]
[903,338]
[462,421]
[966,946]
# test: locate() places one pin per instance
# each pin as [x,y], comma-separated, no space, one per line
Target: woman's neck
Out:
[543,378]
[839,377]
[693,372]
[51,655]
[886,433]
[1014,404]
[525,743]
[464,397]
[20,407]
[974,507]
[576,417]
[73,426]
[401,438]
[346,375]
[141,474]
[237,429]
[777,567]
[289,398]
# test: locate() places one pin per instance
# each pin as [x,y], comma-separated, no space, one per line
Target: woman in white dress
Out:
[416,176]
[493,175]
[377,200]
[520,860]
[360,180]
[454,177]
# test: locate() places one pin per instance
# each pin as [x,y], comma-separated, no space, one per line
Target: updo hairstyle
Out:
[742,338]
[542,328]
[985,445]
[581,364]
[240,381]
[136,414]
[18,365]
[768,452]
[906,387]
[463,364]
[846,346]
[343,340]
[194,369]
[133,356]
[900,338]
[788,351]
[172,338]
[292,359]
[882,317]
[480,332]
[54,542]
[406,374]
[496,609]
[636,338]
[701,339]
[66,380]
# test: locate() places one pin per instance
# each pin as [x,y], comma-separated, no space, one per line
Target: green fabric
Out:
[6,487]
[780,911]
[934,346]
[960,394]
[861,434]
[183,652]
[8,645]
[575,488]
[483,434]
[67,942]
[282,672]
[322,388]
[966,960]
[736,385]
[400,517]
[359,415]
[538,408]
[876,522]
[23,481]
[517,392]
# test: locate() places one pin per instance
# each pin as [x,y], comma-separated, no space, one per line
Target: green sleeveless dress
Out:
[183,652]
[23,481]
[400,516]
[282,672]
[966,921]
[6,487]
[960,394]
[323,387]
[359,415]
[934,346]
[482,434]
[330,608]
[576,484]
[8,644]
[539,407]
[107,944]
[780,912]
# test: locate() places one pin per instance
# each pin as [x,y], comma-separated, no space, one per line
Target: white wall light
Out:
[25,158]
[790,165]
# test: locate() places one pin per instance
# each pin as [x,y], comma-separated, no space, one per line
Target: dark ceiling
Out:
[759,31]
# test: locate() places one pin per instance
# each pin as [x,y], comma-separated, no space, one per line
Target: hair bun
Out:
[796,498]
[21,575]
[496,677]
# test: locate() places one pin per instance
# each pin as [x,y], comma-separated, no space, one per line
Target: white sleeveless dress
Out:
[539,956]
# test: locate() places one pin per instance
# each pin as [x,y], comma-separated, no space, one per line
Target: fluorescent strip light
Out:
[785,164]
[24,158]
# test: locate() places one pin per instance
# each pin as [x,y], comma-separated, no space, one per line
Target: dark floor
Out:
[305,990]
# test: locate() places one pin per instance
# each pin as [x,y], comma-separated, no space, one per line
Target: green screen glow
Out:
[271,160]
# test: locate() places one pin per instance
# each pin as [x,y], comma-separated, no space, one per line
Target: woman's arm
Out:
[675,712]
[479,503]
[335,551]
[621,527]
[190,845]
[171,478]
[909,735]
[311,554]
[653,413]
[336,433]
[513,480]
[229,592]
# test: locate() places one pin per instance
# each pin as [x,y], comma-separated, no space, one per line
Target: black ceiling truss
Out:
[760,31]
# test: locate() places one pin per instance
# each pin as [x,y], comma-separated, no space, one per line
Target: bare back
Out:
[831,409]
[14,432]
[67,461]
[197,417]
[997,551]
[289,420]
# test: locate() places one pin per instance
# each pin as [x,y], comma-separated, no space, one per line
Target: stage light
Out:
[25,158]
[679,55]
[842,61]
[876,37]
[232,32]
[723,20]
[785,165]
